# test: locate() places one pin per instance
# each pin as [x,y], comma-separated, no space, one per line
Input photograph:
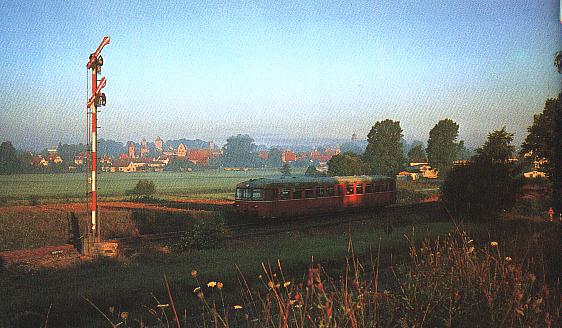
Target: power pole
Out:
[96,99]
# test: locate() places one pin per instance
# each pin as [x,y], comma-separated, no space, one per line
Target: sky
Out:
[277,70]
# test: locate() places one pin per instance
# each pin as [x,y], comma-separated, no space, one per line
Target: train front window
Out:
[349,190]
[257,194]
[359,188]
[243,193]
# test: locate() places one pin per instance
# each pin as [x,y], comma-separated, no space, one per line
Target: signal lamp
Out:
[100,99]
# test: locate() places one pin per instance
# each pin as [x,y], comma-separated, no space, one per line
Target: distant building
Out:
[263,154]
[39,161]
[131,146]
[354,138]
[54,158]
[159,144]
[80,159]
[288,156]
[144,148]
[199,156]
[182,150]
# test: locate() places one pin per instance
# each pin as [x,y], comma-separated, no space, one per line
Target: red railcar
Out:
[294,196]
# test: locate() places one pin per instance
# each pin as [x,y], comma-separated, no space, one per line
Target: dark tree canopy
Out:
[346,164]
[239,151]
[384,154]
[544,142]
[68,151]
[441,146]
[488,186]
[9,163]
[351,147]
[417,154]
[274,158]
[540,143]
[497,148]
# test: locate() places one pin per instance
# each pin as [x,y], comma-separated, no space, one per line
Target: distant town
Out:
[182,155]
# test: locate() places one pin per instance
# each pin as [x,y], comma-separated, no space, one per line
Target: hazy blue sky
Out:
[277,69]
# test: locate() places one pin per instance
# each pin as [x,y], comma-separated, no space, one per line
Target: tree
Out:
[558,61]
[544,143]
[384,153]
[286,169]
[274,158]
[312,171]
[9,163]
[486,187]
[239,151]
[346,164]
[417,154]
[497,148]
[463,153]
[351,147]
[441,146]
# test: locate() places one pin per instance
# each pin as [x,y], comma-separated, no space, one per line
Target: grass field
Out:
[211,184]
[129,284]
[208,184]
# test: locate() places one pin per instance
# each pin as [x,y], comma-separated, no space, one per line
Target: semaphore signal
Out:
[96,99]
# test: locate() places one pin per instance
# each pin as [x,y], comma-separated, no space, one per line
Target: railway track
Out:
[281,225]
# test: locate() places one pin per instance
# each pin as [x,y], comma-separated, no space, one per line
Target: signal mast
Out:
[96,99]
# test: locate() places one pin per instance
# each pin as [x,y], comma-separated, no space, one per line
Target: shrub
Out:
[143,190]
[203,234]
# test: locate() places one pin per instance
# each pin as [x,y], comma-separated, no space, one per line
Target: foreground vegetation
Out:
[420,275]
[128,284]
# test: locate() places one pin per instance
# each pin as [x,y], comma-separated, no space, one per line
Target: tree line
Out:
[384,154]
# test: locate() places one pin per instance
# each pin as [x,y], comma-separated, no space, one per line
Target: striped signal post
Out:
[96,99]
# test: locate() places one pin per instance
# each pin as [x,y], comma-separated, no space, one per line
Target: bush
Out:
[204,234]
[143,190]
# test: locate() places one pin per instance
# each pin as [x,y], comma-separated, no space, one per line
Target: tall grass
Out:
[446,282]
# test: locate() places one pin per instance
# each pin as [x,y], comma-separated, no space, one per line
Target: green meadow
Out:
[207,184]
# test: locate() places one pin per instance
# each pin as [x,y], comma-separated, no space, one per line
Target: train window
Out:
[359,188]
[320,192]
[368,188]
[239,193]
[257,194]
[285,193]
[308,193]
[297,194]
[349,190]
[330,191]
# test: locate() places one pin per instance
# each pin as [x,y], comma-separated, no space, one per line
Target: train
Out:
[306,195]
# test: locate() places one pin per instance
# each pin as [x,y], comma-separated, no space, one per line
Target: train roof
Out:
[308,180]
